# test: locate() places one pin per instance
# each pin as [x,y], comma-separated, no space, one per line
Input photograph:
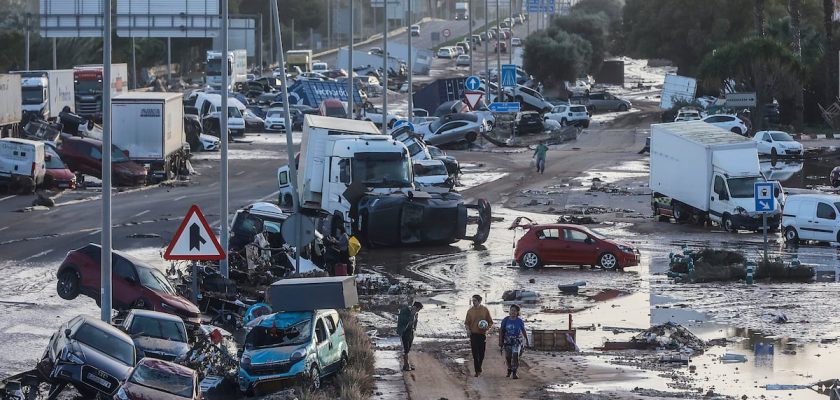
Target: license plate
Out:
[103,382]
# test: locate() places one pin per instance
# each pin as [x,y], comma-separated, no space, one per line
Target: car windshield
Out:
[434,151]
[742,188]
[233,112]
[337,112]
[165,381]
[781,137]
[596,234]
[413,147]
[157,328]
[154,279]
[432,170]
[32,95]
[106,343]
[275,114]
[578,109]
[382,172]
[88,87]
[214,67]
[287,333]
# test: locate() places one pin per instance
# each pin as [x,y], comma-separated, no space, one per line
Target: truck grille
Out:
[270,369]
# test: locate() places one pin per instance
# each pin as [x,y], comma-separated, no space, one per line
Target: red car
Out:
[563,244]
[333,108]
[60,177]
[135,284]
[85,155]
[160,380]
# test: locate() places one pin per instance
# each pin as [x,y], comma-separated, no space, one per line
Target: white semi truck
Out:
[351,172]
[237,68]
[46,93]
[150,127]
[10,105]
[88,88]
[701,173]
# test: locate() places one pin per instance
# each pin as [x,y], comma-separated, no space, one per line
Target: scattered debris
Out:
[576,219]
[571,288]
[733,358]
[669,336]
[528,296]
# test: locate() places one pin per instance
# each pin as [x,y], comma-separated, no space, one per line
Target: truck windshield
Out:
[88,87]
[214,67]
[382,173]
[32,95]
[284,333]
[742,188]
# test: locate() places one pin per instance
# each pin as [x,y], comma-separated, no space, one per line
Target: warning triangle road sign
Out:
[473,99]
[194,240]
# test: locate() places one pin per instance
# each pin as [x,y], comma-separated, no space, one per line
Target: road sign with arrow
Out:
[765,201]
[194,240]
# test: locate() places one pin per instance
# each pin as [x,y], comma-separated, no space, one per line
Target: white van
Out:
[209,105]
[811,217]
[22,163]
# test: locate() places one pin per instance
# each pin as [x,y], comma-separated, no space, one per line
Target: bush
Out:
[778,271]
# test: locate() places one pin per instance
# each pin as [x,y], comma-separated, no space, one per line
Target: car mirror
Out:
[67,333]
[589,240]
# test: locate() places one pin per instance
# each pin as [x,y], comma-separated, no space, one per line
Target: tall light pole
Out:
[106,234]
[510,19]
[499,52]
[486,52]
[411,63]
[350,89]
[469,35]
[385,67]
[223,130]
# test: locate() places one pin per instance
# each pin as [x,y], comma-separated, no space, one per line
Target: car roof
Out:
[95,322]
[169,367]
[136,262]
[155,315]
[265,209]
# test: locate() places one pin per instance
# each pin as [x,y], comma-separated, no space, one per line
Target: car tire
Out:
[679,214]
[736,131]
[791,236]
[529,260]
[726,224]
[345,361]
[773,152]
[622,107]
[315,377]
[68,287]
[471,137]
[608,261]
[288,201]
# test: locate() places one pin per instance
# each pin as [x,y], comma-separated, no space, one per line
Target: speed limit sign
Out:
[446,32]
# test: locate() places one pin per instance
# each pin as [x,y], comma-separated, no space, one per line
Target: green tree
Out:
[556,56]
[611,8]
[594,28]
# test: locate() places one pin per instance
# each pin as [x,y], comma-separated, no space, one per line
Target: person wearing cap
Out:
[478,333]
[406,325]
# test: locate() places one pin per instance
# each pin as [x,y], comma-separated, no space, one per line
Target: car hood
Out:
[161,346]
[129,168]
[180,303]
[138,392]
[273,354]
[61,174]
[618,243]
[100,361]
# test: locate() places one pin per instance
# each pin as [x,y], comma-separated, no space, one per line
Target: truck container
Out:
[88,88]
[312,93]
[150,127]
[299,58]
[701,173]
[237,68]
[421,59]
[462,11]
[10,105]
[439,92]
[46,93]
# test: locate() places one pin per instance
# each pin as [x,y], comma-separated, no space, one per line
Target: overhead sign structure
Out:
[505,107]
[765,199]
[71,18]
[740,100]
[472,83]
[194,240]
[169,18]
[508,75]
[473,99]
[541,6]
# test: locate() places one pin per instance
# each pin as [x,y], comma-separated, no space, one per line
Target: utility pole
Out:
[106,234]
[329,23]
[499,52]
[469,35]
[385,65]
[510,19]
[223,119]
[133,63]
[293,34]
[168,61]
[411,64]
[55,58]
[26,45]
[351,78]
[486,52]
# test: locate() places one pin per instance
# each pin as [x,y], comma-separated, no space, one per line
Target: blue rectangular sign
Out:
[504,107]
[508,75]
[765,199]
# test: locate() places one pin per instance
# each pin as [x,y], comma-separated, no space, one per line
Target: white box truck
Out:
[150,127]
[237,68]
[46,93]
[10,105]
[701,173]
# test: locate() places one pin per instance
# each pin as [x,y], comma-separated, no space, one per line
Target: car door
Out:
[447,131]
[335,339]
[340,178]
[578,248]
[807,215]
[126,286]
[761,140]
[825,222]
[323,346]
[548,246]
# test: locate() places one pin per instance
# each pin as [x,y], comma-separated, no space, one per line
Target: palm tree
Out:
[759,18]
[795,12]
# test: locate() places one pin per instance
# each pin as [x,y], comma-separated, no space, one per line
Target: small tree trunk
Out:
[829,56]
[795,11]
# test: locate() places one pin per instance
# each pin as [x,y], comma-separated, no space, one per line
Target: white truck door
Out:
[806,216]
[339,174]
[719,201]
[284,198]
[825,222]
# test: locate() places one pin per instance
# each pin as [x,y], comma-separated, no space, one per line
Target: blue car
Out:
[286,347]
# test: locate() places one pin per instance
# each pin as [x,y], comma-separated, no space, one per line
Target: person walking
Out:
[477,323]
[406,325]
[511,333]
[539,153]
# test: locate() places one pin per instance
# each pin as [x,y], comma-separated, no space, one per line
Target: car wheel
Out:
[315,377]
[727,224]
[622,107]
[608,261]
[773,153]
[345,361]
[736,131]
[68,285]
[791,236]
[679,214]
[288,201]
[471,137]
[529,260]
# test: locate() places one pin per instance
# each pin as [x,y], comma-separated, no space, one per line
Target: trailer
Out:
[10,105]
[46,93]
[150,127]
[439,92]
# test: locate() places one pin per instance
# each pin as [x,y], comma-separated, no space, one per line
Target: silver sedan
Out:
[440,133]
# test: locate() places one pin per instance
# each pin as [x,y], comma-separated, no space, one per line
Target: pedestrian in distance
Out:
[477,323]
[539,153]
[406,325]
[511,335]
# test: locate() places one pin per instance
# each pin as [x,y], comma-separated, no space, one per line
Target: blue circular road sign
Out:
[472,83]
[404,122]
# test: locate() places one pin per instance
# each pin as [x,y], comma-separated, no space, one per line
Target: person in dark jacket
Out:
[406,325]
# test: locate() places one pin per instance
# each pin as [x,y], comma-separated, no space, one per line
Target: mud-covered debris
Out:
[42,199]
[597,186]
[669,336]
[520,295]
[288,394]
[144,236]
[576,219]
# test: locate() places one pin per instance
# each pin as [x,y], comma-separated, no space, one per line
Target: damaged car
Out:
[156,335]
[160,380]
[89,354]
[288,347]
[566,244]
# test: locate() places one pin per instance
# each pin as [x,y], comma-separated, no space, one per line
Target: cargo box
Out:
[313,293]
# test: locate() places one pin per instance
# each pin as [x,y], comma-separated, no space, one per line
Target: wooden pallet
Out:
[554,340]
